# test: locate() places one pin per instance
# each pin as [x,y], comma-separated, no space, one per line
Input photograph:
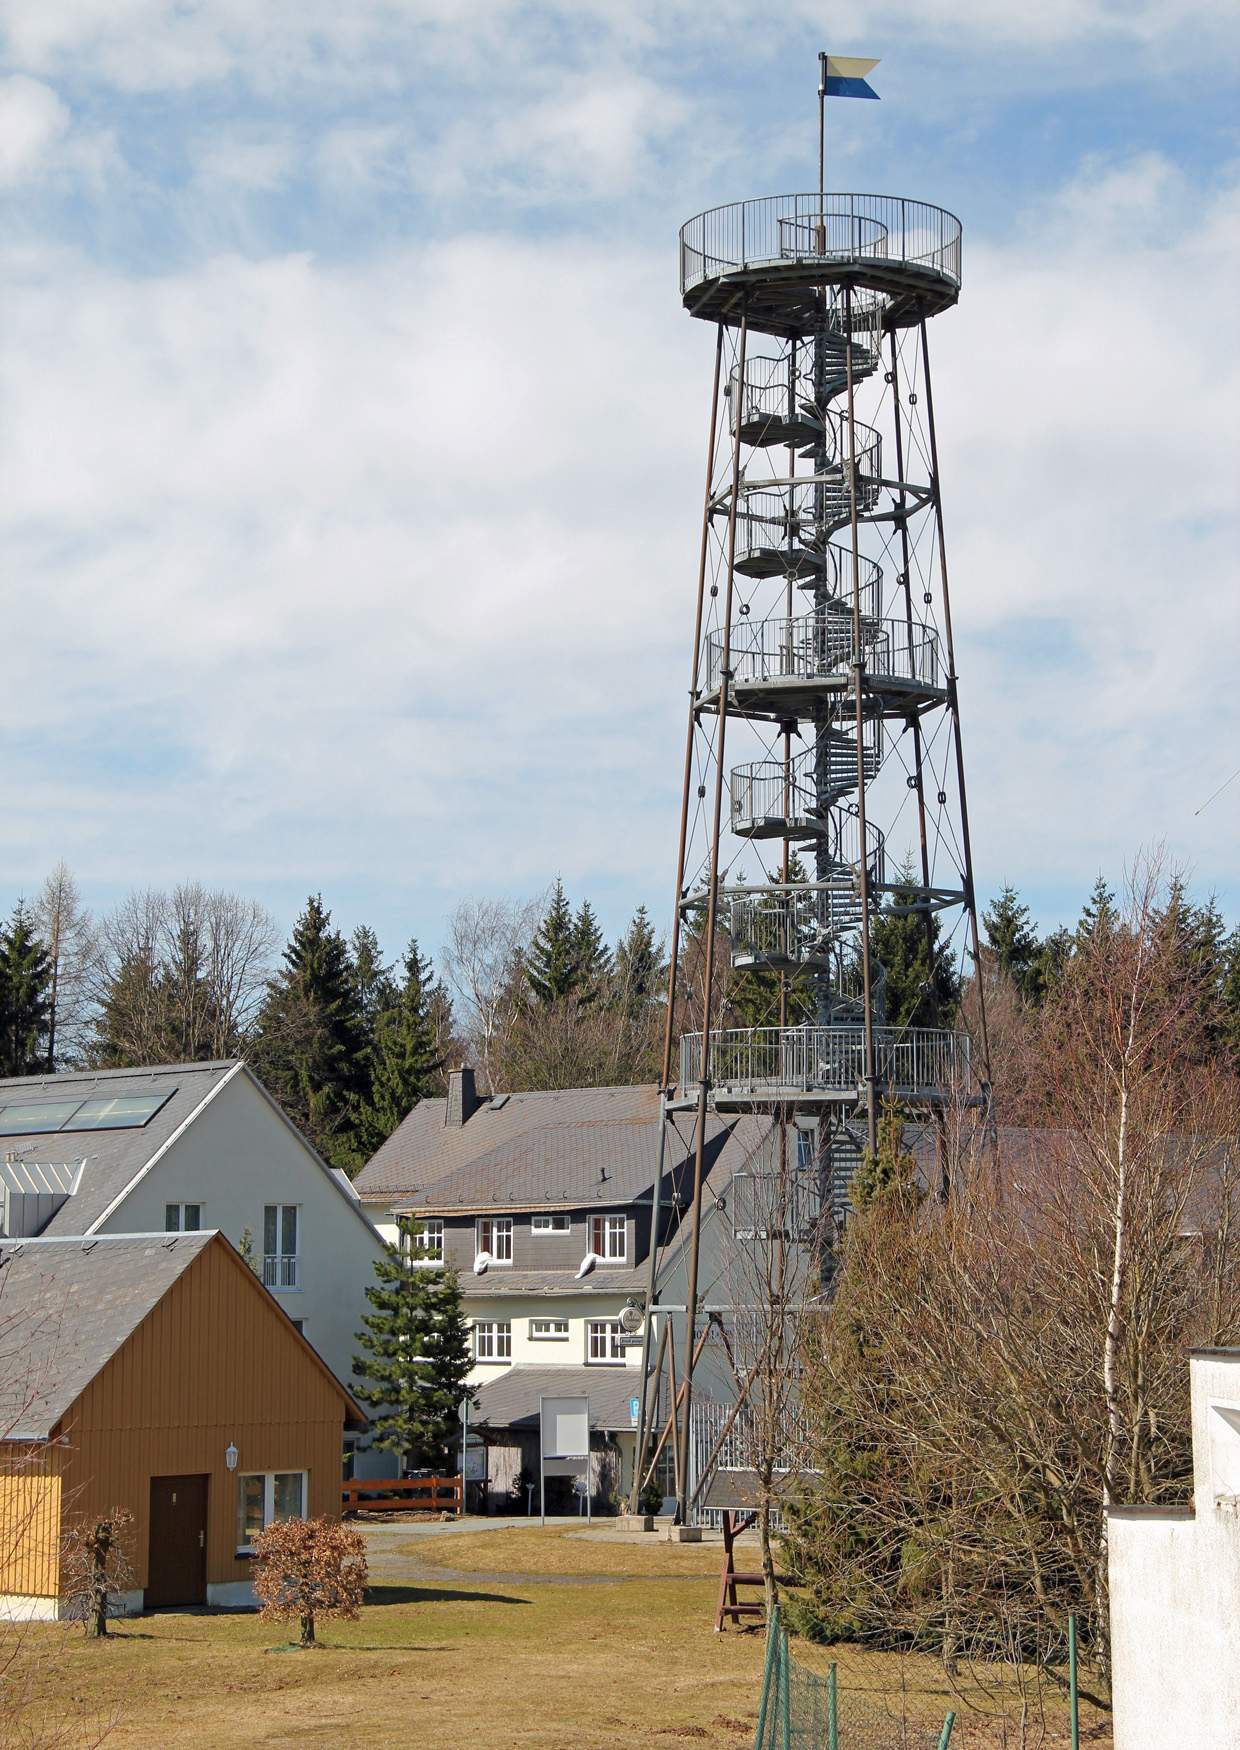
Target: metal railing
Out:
[778,230]
[281,1270]
[794,926]
[819,646]
[777,403]
[763,797]
[778,1061]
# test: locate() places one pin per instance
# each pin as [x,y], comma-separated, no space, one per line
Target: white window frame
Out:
[615,1354]
[180,1228]
[431,1238]
[281,1268]
[498,1331]
[497,1224]
[606,1226]
[541,1225]
[269,1499]
[557,1331]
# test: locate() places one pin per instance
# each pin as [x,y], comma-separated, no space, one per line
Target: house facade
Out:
[185,1148]
[544,1204]
[162,1378]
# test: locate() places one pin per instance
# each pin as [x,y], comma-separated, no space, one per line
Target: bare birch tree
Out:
[482,959]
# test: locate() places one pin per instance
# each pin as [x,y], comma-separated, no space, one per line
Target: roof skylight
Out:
[99,1112]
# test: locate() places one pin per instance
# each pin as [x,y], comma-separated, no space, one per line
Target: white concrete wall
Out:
[527,1351]
[235,1158]
[1175,1591]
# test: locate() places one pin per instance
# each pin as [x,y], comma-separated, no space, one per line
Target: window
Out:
[493,1340]
[299,1325]
[421,1239]
[604,1341]
[495,1237]
[807,1153]
[551,1224]
[264,1496]
[182,1218]
[548,1330]
[607,1237]
[281,1247]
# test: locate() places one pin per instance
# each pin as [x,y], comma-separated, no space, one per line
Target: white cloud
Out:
[33,121]
[389,565]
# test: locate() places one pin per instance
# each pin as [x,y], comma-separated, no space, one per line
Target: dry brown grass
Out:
[557,1550]
[550,1665]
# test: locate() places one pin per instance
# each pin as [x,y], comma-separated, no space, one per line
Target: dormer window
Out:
[495,1237]
[609,1238]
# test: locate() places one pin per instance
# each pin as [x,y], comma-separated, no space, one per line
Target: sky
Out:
[351,430]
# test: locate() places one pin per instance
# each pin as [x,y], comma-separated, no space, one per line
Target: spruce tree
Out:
[1099,912]
[372,980]
[415,1358]
[551,963]
[1012,941]
[921,982]
[406,1054]
[639,968]
[25,997]
[591,956]
[890,1172]
[311,1044]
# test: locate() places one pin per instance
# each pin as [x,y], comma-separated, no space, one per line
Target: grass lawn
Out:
[614,1648]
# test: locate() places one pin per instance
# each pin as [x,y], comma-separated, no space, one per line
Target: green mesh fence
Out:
[802,1710]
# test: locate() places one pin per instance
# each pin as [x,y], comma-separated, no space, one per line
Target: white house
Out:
[186,1147]
[1175,1587]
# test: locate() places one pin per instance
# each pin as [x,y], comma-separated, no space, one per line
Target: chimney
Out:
[462,1096]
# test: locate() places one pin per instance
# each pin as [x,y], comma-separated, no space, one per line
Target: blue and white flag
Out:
[844,76]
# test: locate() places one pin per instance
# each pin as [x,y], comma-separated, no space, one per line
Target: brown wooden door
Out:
[177,1571]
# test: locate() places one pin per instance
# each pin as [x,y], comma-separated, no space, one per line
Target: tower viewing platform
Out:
[779,248]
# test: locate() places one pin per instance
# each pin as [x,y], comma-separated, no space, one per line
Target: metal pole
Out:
[712,906]
[647,1416]
[656,1213]
[822,152]
[871,1100]
[954,706]
[945,1736]
[464,1447]
[669,1021]
[1074,1699]
[833,1709]
[786,1692]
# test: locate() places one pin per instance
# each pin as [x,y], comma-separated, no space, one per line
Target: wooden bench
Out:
[402,1495]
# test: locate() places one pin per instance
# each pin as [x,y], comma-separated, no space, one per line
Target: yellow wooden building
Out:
[155,1373]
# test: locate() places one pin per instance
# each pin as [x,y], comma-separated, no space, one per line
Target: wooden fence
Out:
[402,1495]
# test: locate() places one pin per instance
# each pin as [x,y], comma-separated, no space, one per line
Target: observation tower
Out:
[824,780]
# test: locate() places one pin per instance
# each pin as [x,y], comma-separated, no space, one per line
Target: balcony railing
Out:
[779,230]
[281,1270]
[783,1062]
[768,799]
[819,646]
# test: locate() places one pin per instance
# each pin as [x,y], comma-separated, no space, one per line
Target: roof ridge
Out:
[59,1077]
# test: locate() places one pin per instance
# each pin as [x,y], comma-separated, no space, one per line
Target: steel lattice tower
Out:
[824,770]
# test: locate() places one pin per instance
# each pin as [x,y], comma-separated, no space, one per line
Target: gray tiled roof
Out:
[70,1304]
[112,1158]
[424,1151]
[511,1401]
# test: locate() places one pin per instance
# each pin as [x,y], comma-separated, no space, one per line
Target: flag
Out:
[844,76]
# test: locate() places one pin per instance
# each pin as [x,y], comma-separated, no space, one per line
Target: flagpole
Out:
[822,151]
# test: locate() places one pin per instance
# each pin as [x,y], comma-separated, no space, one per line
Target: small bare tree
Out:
[96,1568]
[306,1570]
